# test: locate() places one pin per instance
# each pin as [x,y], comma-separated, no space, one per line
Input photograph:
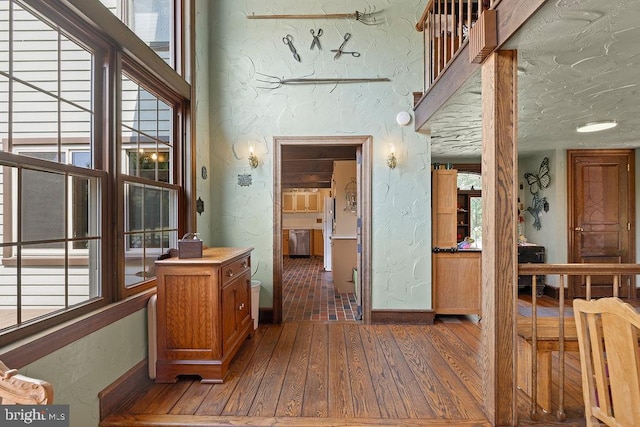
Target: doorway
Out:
[362,145]
[601,210]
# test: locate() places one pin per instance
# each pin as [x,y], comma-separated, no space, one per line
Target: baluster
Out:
[534,349]
[561,414]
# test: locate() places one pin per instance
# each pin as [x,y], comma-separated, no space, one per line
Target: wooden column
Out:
[499,240]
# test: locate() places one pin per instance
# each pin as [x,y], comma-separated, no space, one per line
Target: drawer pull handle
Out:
[241,306]
[244,264]
[230,273]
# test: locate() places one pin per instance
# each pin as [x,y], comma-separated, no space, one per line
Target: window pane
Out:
[43,207]
[34,115]
[152,229]
[146,134]
[469,181]
[49,78]
[151,20]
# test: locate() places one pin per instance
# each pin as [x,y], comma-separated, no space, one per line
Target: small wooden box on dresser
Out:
[204,313]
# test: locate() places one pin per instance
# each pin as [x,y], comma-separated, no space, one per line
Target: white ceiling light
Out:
[597,126]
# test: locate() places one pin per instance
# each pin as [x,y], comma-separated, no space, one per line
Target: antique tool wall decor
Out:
[366,18]
[274,82]
[288,40]
[339,51]
[316,39]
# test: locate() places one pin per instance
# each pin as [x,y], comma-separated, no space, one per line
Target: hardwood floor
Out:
[332,374]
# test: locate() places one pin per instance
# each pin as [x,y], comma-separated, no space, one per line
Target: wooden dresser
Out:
[203,313]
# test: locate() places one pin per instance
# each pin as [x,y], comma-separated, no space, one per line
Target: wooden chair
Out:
[16,389]
[610,361]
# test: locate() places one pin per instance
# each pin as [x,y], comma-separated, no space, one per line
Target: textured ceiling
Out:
[578,62]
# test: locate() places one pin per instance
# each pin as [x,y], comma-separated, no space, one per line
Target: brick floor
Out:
[308,293]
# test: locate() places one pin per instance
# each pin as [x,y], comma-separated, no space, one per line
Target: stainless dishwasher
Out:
[299,244]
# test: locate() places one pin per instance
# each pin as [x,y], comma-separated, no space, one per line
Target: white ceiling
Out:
[578,61]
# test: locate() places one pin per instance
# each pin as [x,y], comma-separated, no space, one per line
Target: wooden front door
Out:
[601,211]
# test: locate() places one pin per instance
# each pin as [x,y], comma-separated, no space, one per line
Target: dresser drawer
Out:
[234,269]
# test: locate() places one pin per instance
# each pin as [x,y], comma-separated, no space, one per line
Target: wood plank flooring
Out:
[333,374]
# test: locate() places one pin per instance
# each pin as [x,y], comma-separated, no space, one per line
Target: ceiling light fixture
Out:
[597,126]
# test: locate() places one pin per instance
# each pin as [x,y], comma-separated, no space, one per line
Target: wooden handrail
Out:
[607,269]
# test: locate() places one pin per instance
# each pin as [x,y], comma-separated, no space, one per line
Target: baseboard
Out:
[131,384]
[265,315]
[414,317]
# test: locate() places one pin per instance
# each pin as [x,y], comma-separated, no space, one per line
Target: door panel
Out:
[601,207]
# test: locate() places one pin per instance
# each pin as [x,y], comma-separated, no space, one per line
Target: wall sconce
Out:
[391,159]
[253,159]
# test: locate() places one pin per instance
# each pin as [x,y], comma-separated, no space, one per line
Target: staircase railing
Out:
[445,25]
[563,336]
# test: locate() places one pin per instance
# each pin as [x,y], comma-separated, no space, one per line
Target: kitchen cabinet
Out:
[203,313]
[344,259]
[456,275]
[318,243]
[300,201]
[285,242]
[444,209]
[457,282]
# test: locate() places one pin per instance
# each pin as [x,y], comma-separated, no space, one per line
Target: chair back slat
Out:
[608,331]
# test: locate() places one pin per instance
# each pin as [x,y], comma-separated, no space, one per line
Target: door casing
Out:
[364,143]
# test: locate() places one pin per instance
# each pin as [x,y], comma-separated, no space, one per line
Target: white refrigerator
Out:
[327,230]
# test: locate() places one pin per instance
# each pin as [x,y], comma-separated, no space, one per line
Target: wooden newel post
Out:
[499,249]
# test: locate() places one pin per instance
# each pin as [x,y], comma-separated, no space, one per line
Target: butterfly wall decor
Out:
[541,180]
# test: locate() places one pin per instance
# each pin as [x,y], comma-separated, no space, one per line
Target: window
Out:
[151,221]
[473,181]
[151,20]
[51,232]
[85,164]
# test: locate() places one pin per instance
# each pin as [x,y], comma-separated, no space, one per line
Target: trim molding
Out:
[265,315]
[29,350]
[419,317]
[135,381]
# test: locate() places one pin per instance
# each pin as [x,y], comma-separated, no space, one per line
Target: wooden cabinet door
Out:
[236,309]
[444,198]
[243,301]
[313,202]
[318,243]
[300,202]
[285,242]
[287,202]
[457,283]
